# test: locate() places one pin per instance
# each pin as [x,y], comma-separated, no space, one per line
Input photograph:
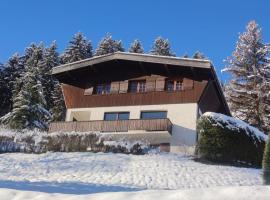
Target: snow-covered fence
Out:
[226,139]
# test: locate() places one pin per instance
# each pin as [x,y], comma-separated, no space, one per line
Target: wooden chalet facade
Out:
[139,97]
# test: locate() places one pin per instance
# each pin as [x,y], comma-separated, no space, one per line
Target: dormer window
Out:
[137,86]
[103,88]
[174,85]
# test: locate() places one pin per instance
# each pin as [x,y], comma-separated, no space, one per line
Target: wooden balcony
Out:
[113,126]
[75,97]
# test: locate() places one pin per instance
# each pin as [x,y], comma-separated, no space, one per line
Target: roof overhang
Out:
[166,60]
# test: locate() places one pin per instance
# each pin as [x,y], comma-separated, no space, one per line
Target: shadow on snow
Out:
[65,187]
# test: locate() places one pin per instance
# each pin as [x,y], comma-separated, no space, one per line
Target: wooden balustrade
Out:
[113,126]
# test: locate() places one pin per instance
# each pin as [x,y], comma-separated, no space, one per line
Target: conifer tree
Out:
[248,91]
[136,47]
[50,60]
[3,91]
[198,55]
[185,55]
[79,48]
[11,74]
[29,103]
[162,47]
[58,108]
[108,45]
[266,163]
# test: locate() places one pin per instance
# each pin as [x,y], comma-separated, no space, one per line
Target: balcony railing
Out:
[113,126]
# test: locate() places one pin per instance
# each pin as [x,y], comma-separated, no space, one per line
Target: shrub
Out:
[226,139]
[266,163]
[39,142]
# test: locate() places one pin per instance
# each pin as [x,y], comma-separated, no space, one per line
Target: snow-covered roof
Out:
[167,60]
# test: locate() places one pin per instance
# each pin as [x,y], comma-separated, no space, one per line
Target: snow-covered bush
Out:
[266,163]
[125,146]
[226,139]
[24,141]
[72,142]
[39,142]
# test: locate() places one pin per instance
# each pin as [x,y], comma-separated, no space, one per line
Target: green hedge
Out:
[225,139]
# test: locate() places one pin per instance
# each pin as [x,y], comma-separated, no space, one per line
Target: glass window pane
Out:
[107,88]
[133,86]
[99,89]
[141,86]
[123,116]
[154,115]
[170,85]
[178,85]
[110,116]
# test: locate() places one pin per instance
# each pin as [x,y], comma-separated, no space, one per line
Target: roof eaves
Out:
[133,57]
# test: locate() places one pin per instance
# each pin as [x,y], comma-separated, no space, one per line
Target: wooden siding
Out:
[113,126]
[75,98]
[210,101]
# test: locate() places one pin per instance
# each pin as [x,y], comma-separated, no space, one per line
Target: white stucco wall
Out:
[183,117]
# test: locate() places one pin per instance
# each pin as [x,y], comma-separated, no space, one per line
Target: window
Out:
[116,116]
[153,114]
[174,85]
[137,86]
[169,85]
[103,88]
[178,85]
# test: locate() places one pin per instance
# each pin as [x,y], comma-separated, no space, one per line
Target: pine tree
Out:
[11,74]
[185,55]
[108,45]
[29,103]
[3,91]
[248,91]
[136,47]
[50,60]
[198,55]
[266,163]
[162,47]
[79,48]
[58,108]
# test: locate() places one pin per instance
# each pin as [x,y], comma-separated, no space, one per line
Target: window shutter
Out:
[88,91]
[187,83]
[150,84]
[160,84]
[115,86]
[123,86]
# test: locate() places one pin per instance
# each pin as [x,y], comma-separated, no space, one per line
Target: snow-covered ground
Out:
[218,193]
[84,173]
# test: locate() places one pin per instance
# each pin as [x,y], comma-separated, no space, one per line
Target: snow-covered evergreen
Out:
[185,55]
[58,108]
[136,47]
[248,91]
[79,48]
[198,55]
[29,104]
[162,47]
[50,60]
[108,45]
[3,91]
[10,81]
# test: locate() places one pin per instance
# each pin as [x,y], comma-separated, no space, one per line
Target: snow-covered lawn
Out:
[218,193]
[84,173]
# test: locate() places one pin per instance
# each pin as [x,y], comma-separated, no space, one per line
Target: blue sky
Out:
[210,26]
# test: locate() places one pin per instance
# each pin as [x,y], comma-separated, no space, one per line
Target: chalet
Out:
[157,99]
